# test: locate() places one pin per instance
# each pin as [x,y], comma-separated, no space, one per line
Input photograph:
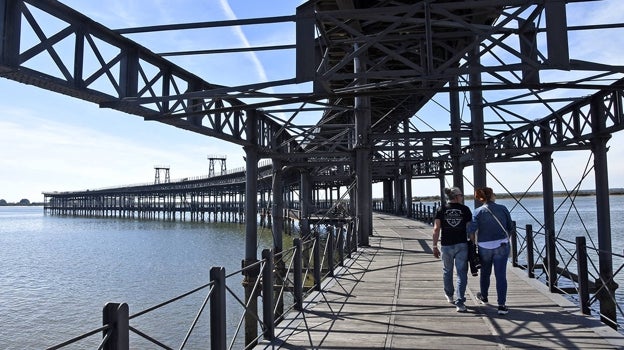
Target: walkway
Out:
[391,298]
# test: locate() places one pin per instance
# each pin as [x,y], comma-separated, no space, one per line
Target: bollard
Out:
[581,269]
[116,316]
[267,295]
[217,309]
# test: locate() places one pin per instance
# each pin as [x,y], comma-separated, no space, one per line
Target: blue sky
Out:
[51,142]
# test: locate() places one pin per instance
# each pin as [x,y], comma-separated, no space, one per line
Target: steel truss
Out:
[412,52]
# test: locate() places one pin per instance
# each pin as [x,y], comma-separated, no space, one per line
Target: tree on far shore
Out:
[3,202]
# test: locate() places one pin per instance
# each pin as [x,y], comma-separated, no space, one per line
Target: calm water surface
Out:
[56,273]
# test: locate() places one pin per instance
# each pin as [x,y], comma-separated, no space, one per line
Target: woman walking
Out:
[491,222]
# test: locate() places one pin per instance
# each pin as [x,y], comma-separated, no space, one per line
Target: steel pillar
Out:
[455,114]
[251,230]
[387,195]
[363,170]
[606,295]
[478,131]
[550,261]
[277,206]
[305,198]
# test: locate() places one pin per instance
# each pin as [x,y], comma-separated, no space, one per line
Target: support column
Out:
[277,206]
[305,198]
[550,263]
[455,111]
[364,210]
[387,195]
[408,191]
[251,229]
[478,131]
[608,307]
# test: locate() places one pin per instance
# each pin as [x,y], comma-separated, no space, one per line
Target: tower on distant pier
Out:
[159,169]
[211,166]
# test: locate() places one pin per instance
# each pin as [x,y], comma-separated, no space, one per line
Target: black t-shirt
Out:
[454,217]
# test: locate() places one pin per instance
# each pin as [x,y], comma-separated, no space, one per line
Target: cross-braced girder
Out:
[410,51]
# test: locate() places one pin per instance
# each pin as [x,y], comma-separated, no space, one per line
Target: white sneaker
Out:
[449,299]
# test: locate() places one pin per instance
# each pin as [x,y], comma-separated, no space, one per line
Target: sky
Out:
[52,142]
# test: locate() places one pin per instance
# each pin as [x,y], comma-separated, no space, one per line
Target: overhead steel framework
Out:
[373,66]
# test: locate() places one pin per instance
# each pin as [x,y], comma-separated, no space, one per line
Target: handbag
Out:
[474,261]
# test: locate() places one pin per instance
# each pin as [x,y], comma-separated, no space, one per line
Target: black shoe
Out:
[503,310]
[481,298]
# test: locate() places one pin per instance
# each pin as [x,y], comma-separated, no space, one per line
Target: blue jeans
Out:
[498,258]
[457,255]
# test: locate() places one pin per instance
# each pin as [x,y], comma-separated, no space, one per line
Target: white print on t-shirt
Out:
[453,217]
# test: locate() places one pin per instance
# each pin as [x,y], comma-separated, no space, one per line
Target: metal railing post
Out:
[297,277]
[317,261]
[551,260]
[267,295]
[514,245]
[349,243]
[217,309]
[116,316]
[530,257]
[330,253]
[583,280]
[341,247]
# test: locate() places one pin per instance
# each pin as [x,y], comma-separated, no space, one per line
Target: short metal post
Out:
[514,245]
[115,315]
[330,253]
[341,247]
[530,258]
[349,244]
[317,261]
[297,277]
[267,295]
[217,309]
[551,260]
[583,280]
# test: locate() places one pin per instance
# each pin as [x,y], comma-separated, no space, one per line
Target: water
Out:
[56,273]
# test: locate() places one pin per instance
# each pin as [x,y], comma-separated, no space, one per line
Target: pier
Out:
[399,92]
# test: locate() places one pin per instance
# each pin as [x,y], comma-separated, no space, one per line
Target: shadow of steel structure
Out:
[372,66]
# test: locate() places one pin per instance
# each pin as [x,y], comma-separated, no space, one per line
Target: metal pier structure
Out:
[511,77]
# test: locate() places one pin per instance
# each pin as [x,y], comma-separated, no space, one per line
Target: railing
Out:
[420,211]
[575,271]
[280,280]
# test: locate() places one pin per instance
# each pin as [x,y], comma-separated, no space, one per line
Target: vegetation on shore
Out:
[23,202]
